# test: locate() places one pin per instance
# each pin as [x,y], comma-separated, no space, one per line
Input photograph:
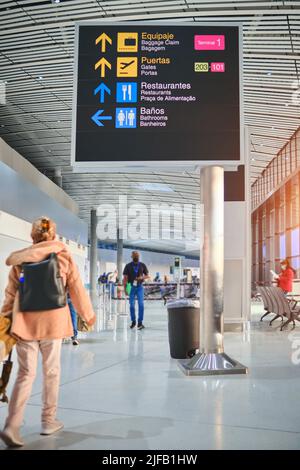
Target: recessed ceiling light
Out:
[49,151]
[154,187]
[269,74]
[40,78]
[253,159]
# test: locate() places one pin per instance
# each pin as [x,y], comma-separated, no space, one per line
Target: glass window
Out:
[278,219]
[281,219]
[280,170]
[288,157]
[268,176]
[277,171]
[297,145]
[293,154]
[295,241]
[284,162]
[282,246]
[264,251]
[295,262]
[295,201]
[265,183]
[272,176]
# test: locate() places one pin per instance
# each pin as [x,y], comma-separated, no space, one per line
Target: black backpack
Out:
[103,278]
[41,286]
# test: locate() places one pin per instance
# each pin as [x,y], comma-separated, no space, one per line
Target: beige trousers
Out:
[28,352]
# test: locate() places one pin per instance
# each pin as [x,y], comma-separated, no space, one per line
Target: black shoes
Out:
[140,326]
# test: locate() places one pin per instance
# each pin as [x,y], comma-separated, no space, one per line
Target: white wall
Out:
[237,262]
[27,194]
[26,170]
[15,235]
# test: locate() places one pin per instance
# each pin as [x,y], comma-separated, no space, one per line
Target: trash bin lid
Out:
[183,303]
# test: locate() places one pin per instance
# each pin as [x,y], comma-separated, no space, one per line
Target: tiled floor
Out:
[121,390]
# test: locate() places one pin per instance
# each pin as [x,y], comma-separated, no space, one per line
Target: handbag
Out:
[4,379]
[7,341]
[83,326]
[128,288]
[41,286]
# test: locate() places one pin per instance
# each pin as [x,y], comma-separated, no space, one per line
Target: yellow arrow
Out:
[103,38]
[103,63]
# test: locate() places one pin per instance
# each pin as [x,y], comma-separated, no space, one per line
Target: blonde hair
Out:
[43,230]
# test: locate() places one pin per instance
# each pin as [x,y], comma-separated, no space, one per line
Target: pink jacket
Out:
[47,324]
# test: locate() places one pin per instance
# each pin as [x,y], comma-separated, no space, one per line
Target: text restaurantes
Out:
[166,86]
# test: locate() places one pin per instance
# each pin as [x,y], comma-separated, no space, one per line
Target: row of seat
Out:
[276,302]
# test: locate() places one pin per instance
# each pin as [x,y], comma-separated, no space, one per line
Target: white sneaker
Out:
[11,437]
[51,428]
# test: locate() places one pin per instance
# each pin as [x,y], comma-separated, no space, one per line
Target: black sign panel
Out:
[150,93]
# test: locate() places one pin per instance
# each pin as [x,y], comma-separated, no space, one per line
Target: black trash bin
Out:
[183,325]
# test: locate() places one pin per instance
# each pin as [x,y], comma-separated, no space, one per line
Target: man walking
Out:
[135,273]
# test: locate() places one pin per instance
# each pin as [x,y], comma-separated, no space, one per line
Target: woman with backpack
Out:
[40,320]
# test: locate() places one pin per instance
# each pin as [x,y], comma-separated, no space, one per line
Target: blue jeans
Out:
[74,318]
[137,291]
[112,288]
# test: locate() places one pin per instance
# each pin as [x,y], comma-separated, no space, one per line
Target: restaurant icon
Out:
[126,92]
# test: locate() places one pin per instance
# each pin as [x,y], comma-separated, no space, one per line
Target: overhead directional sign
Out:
[102,63]
[103,39]
[97,118]
[168,93]
[102,89]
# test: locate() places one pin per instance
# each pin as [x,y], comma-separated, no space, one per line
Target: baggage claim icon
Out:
[127,42]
